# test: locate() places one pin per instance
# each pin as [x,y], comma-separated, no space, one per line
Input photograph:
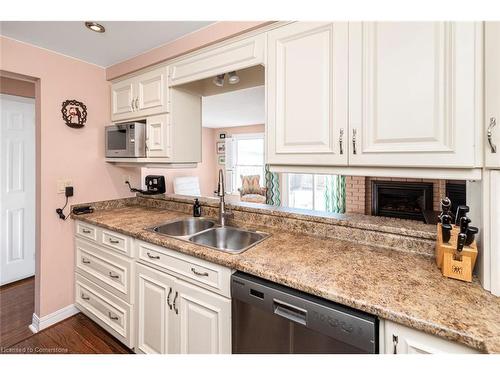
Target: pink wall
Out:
[204,170]
[77,154]
[208,35]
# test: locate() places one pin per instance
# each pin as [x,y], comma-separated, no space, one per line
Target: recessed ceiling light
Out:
[94,26]
[219,80]
[233,78]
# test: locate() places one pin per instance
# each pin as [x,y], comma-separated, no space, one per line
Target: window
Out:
[244,157]
[315,192]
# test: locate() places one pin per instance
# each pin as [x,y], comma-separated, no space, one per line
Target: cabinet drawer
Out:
[116,242]
[111,272]
[86,231]
[105,309]
[200,272]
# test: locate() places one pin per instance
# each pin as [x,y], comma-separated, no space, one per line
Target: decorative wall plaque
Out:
[74,113]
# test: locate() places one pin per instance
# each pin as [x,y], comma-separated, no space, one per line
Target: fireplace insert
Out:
[404,200]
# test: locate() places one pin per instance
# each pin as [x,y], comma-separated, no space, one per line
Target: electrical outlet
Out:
[62,183]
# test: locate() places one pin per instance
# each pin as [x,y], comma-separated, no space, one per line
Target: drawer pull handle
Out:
[199,273]
[489,134]
[153,256]
[175,307]
[112,317]
[84,297]
[395,340]
[85,261]
[168,298]
[113,276]
[113,241]
[341,141]
[86,231]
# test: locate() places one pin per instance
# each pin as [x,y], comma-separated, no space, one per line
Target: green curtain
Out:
[273,196]
[335,194]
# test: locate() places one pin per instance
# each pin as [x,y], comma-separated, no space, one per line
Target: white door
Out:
[412,94]
[154,299]
[204,321]
[122,99]
[158,136]
[307,94]
[17,188]
[492,94]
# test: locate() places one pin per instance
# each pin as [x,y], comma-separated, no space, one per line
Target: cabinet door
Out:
[412,88]
[204,321]
[152,91]
[307,94]
[122,95]
[154,316]
[158,136]
[492,94]
[403,340]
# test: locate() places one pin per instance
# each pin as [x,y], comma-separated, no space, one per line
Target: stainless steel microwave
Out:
[126,140]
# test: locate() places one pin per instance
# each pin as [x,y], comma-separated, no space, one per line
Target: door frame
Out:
[37,83]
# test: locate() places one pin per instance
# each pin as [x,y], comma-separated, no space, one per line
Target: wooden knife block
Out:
[460,268]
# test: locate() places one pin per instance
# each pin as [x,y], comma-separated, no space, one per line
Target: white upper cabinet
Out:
[143,95]
[492,94]
[158,136]
[413,94]
[226,58]
[122,96]
[307,94]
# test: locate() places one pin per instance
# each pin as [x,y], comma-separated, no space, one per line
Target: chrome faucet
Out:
[223,214]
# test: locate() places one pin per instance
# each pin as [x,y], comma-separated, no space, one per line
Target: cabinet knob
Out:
[489,135]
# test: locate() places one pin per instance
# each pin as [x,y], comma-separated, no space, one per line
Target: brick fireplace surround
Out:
[359,192]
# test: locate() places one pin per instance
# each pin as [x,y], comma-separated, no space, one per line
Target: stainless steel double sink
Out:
[208,233]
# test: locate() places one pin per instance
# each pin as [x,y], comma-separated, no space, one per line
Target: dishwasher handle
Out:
[290,312]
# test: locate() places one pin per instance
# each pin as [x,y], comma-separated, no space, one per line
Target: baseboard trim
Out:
[38,324]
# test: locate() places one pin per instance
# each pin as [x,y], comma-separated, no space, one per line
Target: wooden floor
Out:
[17,303]
[75,335]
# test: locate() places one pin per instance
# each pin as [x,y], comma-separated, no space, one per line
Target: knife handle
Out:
[461,211]
[471,232]
[461,241]
[446,232]
[445,219]
[464,224]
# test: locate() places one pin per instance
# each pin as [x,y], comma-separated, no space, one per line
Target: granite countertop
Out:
[402,287]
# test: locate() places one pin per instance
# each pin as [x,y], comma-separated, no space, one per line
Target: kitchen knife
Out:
[445,219]
[446,232]
[461,242]
[464,224]
[471,232]
[445,205]
[462,210]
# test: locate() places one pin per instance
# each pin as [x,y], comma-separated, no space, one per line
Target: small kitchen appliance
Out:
[126,140]
[154,185]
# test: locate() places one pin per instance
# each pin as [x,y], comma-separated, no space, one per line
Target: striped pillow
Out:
[250,185]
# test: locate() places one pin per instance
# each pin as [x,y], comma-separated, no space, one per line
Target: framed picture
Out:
[222,135]
[221,159]
[221,147]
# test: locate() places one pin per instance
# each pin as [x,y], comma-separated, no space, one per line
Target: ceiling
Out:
[235,108]
[121,41]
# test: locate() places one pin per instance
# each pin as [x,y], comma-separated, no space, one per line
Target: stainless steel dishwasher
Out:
[271,318]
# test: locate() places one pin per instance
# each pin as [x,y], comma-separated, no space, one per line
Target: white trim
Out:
[39,324]
[409,172]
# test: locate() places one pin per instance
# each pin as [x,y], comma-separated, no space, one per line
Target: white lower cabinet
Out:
[154,318]
[203,319]
[174,316]
[398,339]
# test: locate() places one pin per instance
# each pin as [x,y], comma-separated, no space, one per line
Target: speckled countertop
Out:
[400,286]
